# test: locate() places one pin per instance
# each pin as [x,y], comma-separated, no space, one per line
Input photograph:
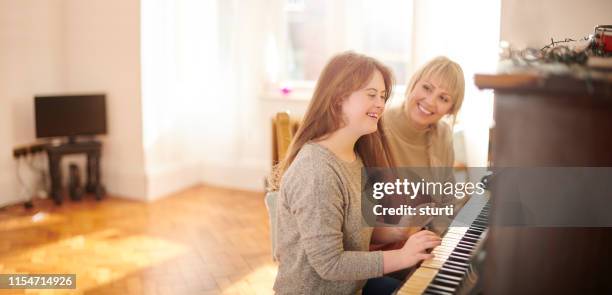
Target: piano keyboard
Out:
[447,271]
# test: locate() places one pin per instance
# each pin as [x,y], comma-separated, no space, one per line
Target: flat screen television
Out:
[70,115]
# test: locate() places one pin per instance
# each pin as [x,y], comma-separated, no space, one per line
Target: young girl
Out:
[322,244]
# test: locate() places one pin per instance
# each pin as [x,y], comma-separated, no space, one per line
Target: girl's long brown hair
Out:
[344,74]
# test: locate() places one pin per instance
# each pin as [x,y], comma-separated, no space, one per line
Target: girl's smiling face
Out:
[363,108]
[428,102]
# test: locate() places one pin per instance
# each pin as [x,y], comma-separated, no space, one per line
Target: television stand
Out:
[93,151]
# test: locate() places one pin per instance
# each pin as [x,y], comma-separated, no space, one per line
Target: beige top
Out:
[429,153]
[321,242]
[431,147]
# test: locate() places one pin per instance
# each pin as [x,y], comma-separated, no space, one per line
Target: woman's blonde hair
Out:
[451,78]
[344,74]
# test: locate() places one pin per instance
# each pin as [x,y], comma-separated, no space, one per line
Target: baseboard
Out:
[125,184]
[136,186]
[169,181]
[128,185]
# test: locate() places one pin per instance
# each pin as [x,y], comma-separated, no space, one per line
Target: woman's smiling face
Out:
[428,102]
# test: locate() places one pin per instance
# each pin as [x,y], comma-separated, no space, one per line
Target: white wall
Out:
[59,46]
[102,53]
[532,23]
[30,63]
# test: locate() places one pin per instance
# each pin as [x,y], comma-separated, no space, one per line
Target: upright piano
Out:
[540,121]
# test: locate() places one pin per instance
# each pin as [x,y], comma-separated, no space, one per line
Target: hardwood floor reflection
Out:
[201,241]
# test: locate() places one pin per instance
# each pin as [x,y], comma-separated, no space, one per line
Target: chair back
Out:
[283,129]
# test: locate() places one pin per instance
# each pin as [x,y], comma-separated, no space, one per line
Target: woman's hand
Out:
[414,249]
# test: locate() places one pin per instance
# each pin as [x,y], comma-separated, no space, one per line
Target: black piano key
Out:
[467,242]
[463,249]
[460,264]
[480,223]
[467,234]
[466,238]
[477,227]
[436,292]
[458,254]
[474,231]
[454,278]
[442,288]
[456,268]
[452,272]
[446,283]
[458,259]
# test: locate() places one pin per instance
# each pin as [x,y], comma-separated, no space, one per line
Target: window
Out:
[317,29]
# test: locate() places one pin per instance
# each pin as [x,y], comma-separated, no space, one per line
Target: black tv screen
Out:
[70,115]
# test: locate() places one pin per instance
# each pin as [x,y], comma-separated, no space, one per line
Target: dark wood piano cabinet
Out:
[549,122]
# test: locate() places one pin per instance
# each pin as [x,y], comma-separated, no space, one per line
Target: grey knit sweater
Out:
[322,244]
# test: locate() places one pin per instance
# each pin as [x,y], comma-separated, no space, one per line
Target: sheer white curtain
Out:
[203,64]
[180,90]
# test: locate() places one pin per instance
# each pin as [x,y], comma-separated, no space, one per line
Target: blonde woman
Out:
[419,138]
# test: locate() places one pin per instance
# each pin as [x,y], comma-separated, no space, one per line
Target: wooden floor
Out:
[200,241]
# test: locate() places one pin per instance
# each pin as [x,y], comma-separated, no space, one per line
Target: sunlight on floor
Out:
[21,222]
[98,258]
[257,280]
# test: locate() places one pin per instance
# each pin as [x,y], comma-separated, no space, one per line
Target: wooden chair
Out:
[283,130]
